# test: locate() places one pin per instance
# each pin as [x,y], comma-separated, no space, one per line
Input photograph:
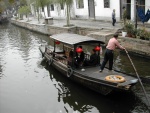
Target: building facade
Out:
[97,9]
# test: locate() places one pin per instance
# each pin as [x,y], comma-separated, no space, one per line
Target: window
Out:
[42,9]
[62,7]
[80,3]
[106,3]
[52,7]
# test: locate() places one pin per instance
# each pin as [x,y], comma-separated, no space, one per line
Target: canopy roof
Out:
[73,39]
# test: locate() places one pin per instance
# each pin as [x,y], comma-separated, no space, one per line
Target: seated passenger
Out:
[79,58]
[93,59]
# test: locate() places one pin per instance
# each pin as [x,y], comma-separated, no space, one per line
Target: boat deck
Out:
[93,72]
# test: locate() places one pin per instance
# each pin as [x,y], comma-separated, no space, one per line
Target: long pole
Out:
[138,77]
[136,7]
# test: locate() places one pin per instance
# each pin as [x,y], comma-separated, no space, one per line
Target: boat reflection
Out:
[83,100]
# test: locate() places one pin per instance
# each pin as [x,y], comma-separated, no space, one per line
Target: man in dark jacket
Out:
[93,59]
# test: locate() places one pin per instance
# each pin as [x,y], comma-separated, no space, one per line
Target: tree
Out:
[68,4]
[4,5]
[24,10]
[38,4]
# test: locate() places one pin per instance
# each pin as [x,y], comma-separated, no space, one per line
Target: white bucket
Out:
[124,34]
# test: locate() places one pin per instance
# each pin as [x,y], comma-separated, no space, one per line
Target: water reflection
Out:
[122,63]
[83,100]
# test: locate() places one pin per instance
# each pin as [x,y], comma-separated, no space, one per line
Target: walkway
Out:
[95,24]
[79,23]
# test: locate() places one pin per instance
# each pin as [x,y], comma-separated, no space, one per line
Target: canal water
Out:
[29,85]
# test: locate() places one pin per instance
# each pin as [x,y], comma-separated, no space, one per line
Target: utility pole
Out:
[136,7]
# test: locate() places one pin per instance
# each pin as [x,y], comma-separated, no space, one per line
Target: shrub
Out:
[129,27]
[143,33]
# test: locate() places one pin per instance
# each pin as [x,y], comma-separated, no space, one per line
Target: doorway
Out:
[91,9]
[128,9]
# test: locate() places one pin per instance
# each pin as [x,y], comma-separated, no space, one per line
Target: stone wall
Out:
[41,28]
[45,29]
[138,46]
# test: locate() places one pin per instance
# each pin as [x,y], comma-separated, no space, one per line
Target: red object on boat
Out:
[57,42]
[97,48]
[79,50]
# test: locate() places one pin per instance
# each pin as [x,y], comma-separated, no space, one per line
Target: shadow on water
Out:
[84,100]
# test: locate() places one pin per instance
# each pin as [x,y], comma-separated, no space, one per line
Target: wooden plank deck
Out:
[93,72]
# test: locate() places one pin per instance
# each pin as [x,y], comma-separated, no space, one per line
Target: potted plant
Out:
[134,33]
[129,28]
[124,32]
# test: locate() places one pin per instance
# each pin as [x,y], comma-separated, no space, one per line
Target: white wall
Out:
[83,12]
[57,13]
[101,13]
[133,5]
[61,14]
[106,13]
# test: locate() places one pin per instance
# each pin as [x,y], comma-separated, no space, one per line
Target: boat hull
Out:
[86,82]
[96,85]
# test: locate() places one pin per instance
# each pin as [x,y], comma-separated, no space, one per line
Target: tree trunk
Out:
[48,10]
[68,16]
[44,14]
[38,15]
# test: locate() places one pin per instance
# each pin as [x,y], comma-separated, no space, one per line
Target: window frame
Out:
[52,7]
[106,3]
[79,4]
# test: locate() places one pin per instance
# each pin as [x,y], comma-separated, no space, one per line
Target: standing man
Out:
[124,16]
[109,53]
[113,17]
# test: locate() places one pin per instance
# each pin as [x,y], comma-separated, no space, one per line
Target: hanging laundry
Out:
[147,16]
[142,16]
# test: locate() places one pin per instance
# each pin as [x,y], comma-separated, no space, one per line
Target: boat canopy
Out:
[74,39]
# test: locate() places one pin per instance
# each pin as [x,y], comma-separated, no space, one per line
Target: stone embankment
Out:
[133,45]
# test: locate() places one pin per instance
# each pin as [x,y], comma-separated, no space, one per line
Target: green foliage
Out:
[23,2]
[11,1]
[68,4]
[129,27]
[41,3]
[24,10]
[143,33]
[2,6]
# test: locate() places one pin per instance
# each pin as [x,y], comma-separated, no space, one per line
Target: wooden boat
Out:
[3,19]
[89,76]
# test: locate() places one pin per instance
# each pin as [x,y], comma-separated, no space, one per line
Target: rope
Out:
[138,77]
